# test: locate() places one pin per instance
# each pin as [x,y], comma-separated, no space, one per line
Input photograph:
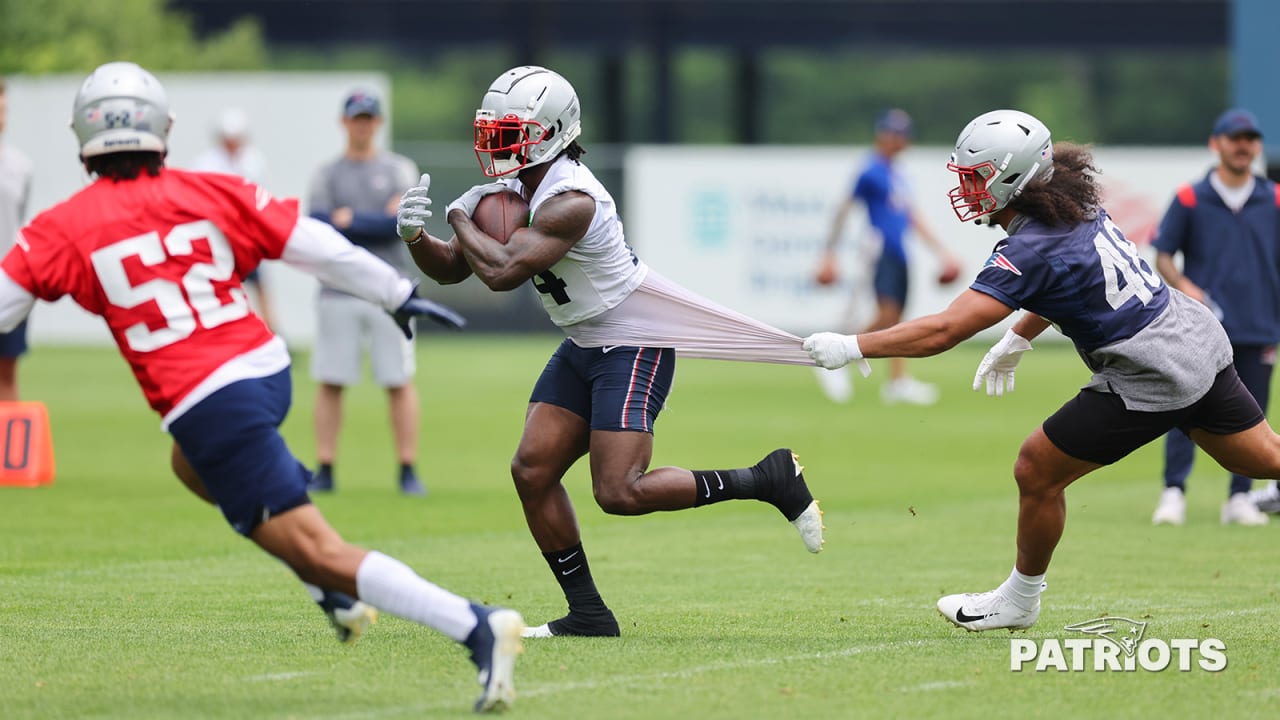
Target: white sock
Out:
[391,586]
[1023,590]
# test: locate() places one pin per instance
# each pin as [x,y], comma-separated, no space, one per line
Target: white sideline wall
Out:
[294,120]
[745,225]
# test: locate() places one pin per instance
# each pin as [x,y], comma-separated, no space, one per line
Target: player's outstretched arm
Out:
[317,249]
[930,335]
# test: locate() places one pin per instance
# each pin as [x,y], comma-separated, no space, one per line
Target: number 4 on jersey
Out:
[547,283]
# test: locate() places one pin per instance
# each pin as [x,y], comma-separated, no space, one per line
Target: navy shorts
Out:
[613,388]
[890,280]
[1097,427]
[233,442]
[13,344]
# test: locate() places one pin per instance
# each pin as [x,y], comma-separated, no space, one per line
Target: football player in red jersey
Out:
[161,254]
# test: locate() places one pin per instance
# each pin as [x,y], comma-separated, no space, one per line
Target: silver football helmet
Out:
[996,156]
[528,115]
[121,108]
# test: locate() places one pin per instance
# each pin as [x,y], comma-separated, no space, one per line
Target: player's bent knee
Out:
[620,499]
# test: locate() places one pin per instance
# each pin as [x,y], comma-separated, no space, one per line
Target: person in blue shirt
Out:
[1227,230]
[884,191]
[1160,360]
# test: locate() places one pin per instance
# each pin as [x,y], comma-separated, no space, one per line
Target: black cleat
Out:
[578,625]
[780,478]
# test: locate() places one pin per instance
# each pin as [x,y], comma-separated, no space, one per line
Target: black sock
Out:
[406,469]
[325,469]
[718,485]
[334,600]
[574,575]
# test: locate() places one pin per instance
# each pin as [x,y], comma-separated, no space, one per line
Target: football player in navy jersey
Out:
[1160,359]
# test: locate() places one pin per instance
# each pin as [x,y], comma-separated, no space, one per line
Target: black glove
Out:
[415,306]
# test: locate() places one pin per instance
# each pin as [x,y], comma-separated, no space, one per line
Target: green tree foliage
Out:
[48,36]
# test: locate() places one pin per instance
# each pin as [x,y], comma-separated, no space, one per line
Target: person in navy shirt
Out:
[883,189]
[1227,230]
[1160,360]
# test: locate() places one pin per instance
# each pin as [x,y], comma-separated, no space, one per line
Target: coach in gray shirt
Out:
[358,194]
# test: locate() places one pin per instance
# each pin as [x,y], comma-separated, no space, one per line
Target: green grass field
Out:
[121,596]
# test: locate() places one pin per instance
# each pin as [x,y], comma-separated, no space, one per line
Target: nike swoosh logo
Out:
[707,485]
[720,480]
[568,557]
[1001,247]
[962,617]
[607,348]
[575,569]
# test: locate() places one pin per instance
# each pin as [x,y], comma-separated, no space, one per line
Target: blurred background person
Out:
[15,189]
[1226,227]
[358,193]
[233,154]
[884,190]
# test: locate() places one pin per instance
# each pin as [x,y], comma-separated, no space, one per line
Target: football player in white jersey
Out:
[603,388]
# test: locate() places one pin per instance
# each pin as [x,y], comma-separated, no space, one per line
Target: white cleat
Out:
[350,623]
[1267,499]
[810,526]
[1172,509]
[990,610]
[1239,510]
[495,644]
[910,391]
[540,631]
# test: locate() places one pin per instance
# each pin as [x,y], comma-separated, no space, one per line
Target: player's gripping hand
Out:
[832,350]
[996,369]
[469,199]
[414,306]
[411,216]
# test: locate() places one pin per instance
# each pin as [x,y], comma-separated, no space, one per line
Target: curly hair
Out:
[1069,196]
[125,165]
[574,151]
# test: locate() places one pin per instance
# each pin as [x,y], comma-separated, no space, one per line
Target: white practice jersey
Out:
[600,271]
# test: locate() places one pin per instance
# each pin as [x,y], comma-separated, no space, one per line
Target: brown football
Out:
[501,214]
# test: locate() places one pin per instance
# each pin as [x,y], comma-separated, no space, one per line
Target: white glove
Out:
[411,216]
[471,198]
[997,367]
[832,350]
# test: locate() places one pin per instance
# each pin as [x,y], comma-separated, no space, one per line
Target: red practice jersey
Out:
[161,259]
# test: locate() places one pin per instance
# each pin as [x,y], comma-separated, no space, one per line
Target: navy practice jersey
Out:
[1153,346]
[1089,280]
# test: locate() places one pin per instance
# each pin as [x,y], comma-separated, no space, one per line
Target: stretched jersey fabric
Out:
[884,191]
[161,259]
[601,294]
[1153,346]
